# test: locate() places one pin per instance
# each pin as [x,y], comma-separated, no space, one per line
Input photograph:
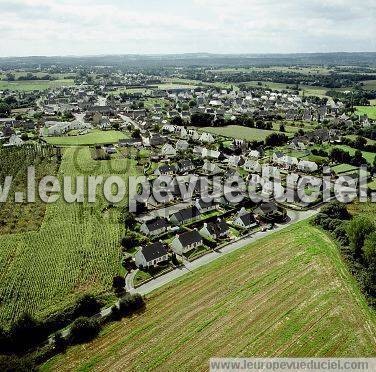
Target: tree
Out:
[26,332]
[360,142]
[358,229]
[282,128]
[276,139]
[369,249]
[83,330]
[177,120]
[336,210]
[4,109]
[118,283]
[130,303]
[129,220]
[136,133]
[87,305]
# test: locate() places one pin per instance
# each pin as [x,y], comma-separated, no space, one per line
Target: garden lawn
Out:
[237,131]
[96,137]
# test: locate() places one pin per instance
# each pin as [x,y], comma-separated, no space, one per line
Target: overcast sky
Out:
[81,27]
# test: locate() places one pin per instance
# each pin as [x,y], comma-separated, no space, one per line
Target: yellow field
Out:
[289,294]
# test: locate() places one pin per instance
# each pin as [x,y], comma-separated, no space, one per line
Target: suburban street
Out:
[294,217]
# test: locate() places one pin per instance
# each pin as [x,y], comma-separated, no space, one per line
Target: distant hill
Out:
[199,59]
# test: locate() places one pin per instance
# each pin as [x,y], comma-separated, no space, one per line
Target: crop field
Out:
[369,110]
[289,294]
[75,251]
[29,85]
[369,84]
[22,217]
[93,138]
[237,131]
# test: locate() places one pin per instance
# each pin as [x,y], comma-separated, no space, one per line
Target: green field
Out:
[93,138]
[30,85]
[369,156]
[75,251]
[369,110]
[237,131]
[289,294]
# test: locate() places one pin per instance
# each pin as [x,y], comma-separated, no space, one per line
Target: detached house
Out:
[154,227]
[164,170]
[168,150]
[185,242]
[15,140]
[211,169]
[185,166]
[151,255]
[185,215]
[205,206]
[207,138]
[270,212]
[252,166]
[245,220]
[182,145]
[307,166]
[215,230]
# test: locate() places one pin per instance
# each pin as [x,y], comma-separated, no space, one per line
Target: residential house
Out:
[185,166]
[164,170]
[205,206]
[252,166]
[151,255]
[245,220]
[235,161]
[254,154]
[182,145]
[168,150]
[307,166]
[211,154]
[186,241]
[207,138]
[185,215]
[215,230]
[211,168]
[154,227]
[15,140]
[270,211]
[193,134]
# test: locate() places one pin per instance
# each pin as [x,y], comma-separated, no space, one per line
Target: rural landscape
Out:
[158,210]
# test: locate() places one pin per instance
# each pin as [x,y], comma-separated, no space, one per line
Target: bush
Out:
[12,363]
[336,210]
[87,305]
[118,283]
[25,333]
[130,303]
[83,330]
[341,235]
[358,229]
[334,224]
[115,313]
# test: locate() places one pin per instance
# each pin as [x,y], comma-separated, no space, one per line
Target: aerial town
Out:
[197,138]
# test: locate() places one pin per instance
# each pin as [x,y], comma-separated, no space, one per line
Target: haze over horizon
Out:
[98,27]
